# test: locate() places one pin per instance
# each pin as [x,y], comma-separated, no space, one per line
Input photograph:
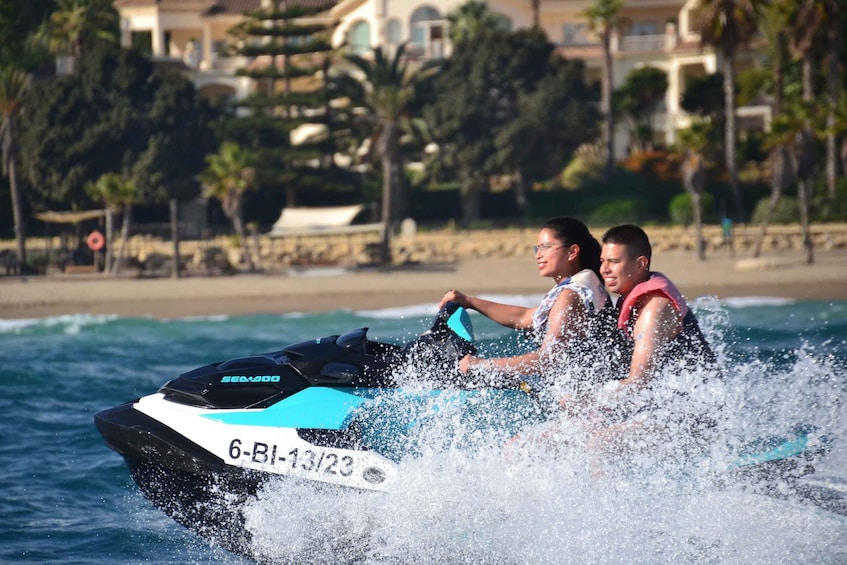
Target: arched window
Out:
[359,38]
[394,31]
[419,17]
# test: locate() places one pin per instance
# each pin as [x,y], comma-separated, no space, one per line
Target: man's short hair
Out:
[633,237]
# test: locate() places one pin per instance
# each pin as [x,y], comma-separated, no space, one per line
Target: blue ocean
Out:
[67,498]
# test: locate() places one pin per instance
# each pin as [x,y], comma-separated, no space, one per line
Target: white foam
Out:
[754,301]
[14,325]
[71,322]
[487,505]
[209,318]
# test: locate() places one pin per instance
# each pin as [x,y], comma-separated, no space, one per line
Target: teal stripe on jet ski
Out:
[316,407]
[460,323]
[789,448]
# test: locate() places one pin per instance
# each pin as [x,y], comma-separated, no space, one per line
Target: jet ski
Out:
[320,410]
[323,410]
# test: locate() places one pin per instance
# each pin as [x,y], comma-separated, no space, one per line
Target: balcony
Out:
[626,44]
[647,43]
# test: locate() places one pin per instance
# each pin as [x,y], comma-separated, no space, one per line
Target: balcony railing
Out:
[630,43]
[644,43]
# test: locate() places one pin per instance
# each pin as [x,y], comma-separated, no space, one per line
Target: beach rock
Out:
[762,264]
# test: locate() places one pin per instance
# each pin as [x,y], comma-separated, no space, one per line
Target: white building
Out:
[658,34]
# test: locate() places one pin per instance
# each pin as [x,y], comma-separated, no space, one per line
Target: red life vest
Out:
[656,284]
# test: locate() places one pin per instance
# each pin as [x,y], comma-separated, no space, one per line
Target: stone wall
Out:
[445,246]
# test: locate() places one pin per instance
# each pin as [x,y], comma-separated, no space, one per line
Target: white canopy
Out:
[323,220]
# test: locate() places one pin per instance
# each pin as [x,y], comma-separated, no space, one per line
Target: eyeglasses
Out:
[545,247]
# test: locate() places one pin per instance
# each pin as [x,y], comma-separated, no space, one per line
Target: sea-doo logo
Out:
[250,379]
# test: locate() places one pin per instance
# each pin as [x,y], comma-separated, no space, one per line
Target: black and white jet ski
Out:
[313,411]
[290,412]
[321,410]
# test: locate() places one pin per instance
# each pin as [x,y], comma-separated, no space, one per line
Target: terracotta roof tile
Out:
[221,7]
[134,2]
[224,7]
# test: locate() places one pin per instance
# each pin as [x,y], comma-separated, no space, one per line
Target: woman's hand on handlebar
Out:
[453,295]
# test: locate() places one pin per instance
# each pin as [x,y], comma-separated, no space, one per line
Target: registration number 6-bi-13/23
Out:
[311,460]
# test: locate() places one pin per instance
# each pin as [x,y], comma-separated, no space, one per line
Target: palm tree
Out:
[72,23]
[834,10]
[728,25]
[389,88]
[781,177]
[470,19]
[16,66]
[792,131]
[774,24]
[803,152]
[604,19]
[13,84]
[115,192]
[806,18]
[805,22]
[65,27]
[536,13]
[228,175]
[695,143]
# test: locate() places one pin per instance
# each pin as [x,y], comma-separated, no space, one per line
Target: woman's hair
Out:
[569,231]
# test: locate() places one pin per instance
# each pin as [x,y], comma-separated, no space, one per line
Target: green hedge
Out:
[681,209]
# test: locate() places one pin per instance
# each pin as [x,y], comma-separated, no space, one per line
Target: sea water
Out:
[67,498]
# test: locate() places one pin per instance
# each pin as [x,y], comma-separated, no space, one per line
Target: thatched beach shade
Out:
[69,217]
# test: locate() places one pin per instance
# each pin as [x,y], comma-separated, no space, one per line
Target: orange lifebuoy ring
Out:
[95,241]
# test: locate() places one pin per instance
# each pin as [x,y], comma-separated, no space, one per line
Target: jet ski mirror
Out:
[357,340]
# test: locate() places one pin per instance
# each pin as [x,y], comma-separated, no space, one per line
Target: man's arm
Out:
[655,327]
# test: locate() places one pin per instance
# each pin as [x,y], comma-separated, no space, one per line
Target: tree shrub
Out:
[628,210]
[582,170]
[681,209]
[826,209]
[787,211]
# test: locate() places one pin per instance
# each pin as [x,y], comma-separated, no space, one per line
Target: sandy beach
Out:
[323,289]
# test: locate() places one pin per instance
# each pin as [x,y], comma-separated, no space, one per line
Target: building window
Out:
[394,32]
[359,38]
[418,24]
[575,34]
[143,41]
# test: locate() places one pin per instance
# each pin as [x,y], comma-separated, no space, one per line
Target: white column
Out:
[672,97]
[207,57]
[711,63]
[158,39]
[126,33]
[672,106]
